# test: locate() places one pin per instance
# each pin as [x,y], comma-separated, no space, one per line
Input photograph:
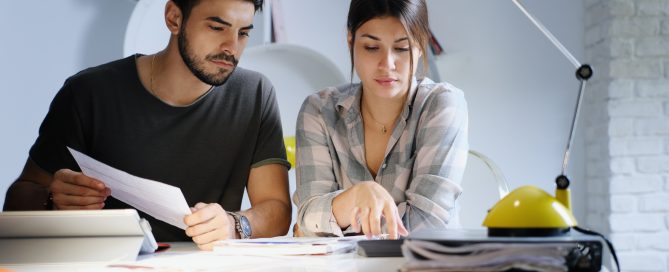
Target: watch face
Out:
[246,226]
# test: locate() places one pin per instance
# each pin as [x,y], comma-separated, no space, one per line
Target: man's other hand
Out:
[209,223]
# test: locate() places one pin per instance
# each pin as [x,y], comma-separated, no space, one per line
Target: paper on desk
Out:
[162,201]
[287,246]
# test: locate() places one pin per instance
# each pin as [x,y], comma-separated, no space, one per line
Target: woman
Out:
[386,155]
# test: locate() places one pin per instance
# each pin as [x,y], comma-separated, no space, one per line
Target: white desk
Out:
[185,256]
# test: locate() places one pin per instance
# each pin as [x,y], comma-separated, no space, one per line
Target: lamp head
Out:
[529,211]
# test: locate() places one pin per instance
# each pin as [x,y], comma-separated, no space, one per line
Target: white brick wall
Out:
[628,146]
[626,114]
[623,166]
[621,88]
[638,222]
[654,165]
[653,7]
[625,26]
[638,68]
[623,241]
[655,203]
[652,126]
[624,204]
[653,241]
[635,184]
[649,261]
[653,88]
[652,47]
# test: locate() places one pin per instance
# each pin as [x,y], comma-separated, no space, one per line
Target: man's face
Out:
[213,37]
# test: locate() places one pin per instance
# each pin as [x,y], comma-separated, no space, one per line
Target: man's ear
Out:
[173,17]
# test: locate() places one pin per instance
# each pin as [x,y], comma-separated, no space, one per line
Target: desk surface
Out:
[185,256]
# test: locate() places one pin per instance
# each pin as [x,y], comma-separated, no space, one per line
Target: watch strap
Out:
[238,225]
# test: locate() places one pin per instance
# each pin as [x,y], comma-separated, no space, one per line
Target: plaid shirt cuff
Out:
[316,217]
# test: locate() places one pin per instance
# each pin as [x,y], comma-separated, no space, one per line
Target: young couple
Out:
[382,156]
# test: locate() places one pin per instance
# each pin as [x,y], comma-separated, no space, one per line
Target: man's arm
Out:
[30,190]
[270,210]
[269,214]
[71,190]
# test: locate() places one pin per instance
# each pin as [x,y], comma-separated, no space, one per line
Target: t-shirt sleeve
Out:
[270,148]
[61,128]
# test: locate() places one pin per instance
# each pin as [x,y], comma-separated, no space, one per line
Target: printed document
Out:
[287,246]
[162,201]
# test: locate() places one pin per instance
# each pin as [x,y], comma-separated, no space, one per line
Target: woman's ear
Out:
[349,40]
[173,17]
[419,52]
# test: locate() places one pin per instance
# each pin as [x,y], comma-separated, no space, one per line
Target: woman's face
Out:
[382,57]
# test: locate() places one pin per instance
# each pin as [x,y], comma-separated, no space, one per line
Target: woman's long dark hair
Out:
[411,13]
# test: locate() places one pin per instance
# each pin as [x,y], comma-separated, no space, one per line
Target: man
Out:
[186,116]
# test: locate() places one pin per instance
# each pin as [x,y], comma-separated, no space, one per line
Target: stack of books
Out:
[433,256]
[474,250]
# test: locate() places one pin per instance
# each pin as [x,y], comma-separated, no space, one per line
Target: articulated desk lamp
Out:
[529,211]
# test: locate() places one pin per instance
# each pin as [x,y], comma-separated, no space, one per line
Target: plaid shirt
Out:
[421,170]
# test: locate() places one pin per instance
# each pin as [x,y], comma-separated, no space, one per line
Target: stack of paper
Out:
[286,246]
[431,256]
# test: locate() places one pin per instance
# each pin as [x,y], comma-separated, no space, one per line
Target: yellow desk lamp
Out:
[289,142]
[528,210]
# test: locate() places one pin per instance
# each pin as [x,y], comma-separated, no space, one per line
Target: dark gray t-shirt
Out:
[207,149]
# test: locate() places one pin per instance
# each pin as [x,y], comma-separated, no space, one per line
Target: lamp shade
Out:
[531,211]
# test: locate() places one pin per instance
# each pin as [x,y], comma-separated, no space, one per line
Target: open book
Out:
[287,246]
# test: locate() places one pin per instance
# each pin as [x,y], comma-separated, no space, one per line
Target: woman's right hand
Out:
[362,207]
[75,191]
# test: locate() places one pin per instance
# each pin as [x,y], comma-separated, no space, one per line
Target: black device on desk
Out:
[585,256]
[380,248]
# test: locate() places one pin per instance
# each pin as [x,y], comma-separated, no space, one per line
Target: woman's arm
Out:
[440,158]
[316,183]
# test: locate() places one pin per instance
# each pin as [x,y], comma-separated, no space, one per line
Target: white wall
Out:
[520,90]
[44,42]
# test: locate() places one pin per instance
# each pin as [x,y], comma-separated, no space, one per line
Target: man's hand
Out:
[76,191]
[368,202]
[209,223]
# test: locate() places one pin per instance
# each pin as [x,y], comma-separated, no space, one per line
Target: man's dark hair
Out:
[187,5]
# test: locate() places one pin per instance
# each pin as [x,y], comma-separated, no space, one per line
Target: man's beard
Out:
[196,66]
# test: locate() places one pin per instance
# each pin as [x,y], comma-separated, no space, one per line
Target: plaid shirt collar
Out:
[348,103]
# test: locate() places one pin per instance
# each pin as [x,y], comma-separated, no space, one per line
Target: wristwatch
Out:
[242,225]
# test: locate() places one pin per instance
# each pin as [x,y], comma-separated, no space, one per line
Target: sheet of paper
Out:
[287,246]
[162,201]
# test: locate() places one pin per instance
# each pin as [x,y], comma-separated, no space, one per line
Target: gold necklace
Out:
[383,127]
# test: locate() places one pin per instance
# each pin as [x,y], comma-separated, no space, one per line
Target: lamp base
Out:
[527,232]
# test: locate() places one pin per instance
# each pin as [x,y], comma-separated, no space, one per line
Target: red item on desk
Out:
[162,247]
